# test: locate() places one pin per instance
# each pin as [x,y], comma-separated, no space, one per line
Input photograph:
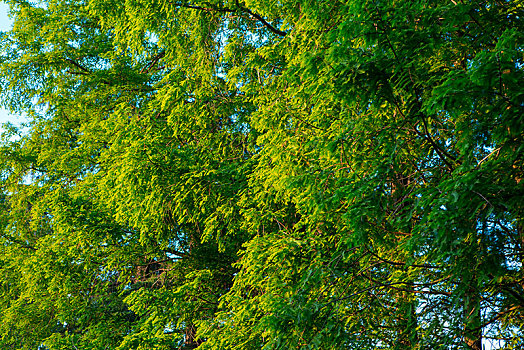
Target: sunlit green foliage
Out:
[263,175]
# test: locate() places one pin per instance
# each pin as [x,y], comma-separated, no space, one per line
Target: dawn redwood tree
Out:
[113,188]
[255,174]
[388,129]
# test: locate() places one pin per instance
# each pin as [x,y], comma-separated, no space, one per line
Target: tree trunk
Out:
[472,310]
[407,334]
[472,320]
[190,341]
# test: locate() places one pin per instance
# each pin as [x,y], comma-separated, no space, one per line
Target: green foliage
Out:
[262,175]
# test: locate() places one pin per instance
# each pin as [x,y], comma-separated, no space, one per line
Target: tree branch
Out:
[154,61]
[77,65]
[399,263]
[264,22]
[242,9]
[18,242]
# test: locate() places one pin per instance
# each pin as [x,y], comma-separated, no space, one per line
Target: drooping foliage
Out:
[263,175]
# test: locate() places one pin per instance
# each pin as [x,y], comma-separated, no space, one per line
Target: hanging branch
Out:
[230,10]
[264,22]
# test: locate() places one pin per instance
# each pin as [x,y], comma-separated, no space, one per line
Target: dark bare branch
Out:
[240,9]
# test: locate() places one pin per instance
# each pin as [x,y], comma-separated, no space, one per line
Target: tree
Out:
[249,174]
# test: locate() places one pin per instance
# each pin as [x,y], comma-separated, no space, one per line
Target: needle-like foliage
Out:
[257,174]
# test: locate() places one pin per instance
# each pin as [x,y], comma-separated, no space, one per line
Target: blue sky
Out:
[5,24]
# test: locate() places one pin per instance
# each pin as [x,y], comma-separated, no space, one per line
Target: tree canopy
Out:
[254,174]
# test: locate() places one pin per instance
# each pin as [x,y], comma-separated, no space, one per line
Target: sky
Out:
[5,25]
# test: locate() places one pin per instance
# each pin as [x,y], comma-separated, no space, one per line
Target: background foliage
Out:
[257,174]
